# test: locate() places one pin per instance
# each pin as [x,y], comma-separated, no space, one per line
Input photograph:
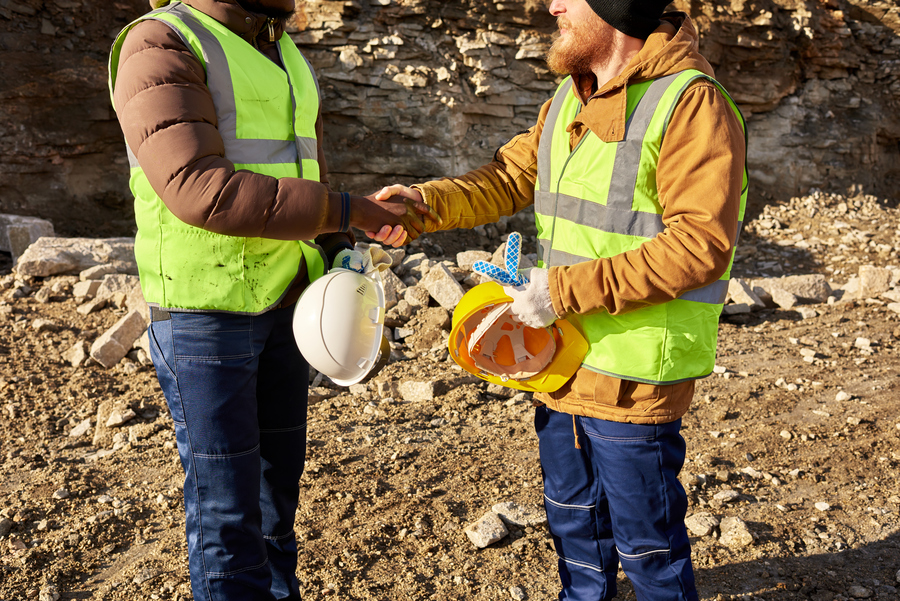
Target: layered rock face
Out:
[417,89]
[61,149]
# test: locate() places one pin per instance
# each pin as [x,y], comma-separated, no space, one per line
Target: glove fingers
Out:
[513,248]
[498,274]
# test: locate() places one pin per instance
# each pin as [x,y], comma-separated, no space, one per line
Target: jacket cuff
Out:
[554,285]
[429,197]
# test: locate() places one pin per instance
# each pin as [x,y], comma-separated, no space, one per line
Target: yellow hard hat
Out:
[486,341]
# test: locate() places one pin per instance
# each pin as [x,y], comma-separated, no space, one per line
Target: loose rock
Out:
[487,530]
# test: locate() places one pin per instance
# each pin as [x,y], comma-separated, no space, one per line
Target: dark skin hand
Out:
[395,214]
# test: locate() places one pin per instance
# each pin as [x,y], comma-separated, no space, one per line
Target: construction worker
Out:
[636,169]
[221,115]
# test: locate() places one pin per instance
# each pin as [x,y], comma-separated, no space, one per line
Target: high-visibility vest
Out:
[599,200]
[266,117]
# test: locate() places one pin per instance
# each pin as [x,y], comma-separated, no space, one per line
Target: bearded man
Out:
[221,116]
[636,169]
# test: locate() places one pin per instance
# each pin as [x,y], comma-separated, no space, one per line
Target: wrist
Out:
[553,289]
[344,224]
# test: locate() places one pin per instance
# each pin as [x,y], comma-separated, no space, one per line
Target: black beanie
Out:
[637,18]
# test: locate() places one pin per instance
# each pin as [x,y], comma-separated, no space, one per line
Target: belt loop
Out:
[157,314]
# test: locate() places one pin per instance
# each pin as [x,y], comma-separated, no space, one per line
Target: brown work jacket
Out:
[699,177]
[167,115]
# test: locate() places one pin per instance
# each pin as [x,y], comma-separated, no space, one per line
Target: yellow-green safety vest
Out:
[266,117]
[599,200]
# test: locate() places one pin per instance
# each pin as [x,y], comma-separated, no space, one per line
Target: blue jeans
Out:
[236,387]
[617,498]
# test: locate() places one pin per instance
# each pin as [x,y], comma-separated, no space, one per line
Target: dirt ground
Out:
[796,434]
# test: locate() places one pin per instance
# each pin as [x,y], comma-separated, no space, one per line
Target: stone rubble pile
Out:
[423,287]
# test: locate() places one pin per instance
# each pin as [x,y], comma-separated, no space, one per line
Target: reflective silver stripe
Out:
[218,75]
[558,257]
[567,506]
[606,218]
[617,215]
[628,151]
[267,152]
[713,294]
[581,564]
[546,142]
[642,555]
[218,80]
[313,71]
[132,159]
[308,148]
[293,106]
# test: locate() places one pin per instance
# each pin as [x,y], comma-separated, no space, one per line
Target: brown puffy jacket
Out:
[699,177]
[169,121]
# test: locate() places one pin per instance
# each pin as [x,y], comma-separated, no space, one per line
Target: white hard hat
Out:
[339,325]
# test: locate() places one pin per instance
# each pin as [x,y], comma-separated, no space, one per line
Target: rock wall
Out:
[61,149]
[418,89]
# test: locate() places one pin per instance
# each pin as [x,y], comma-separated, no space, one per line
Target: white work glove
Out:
[363,260]
[353,260]
[531,301]
[378,260]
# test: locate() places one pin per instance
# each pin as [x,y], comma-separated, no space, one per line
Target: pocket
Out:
[160,362]
[211,336]
[639,396]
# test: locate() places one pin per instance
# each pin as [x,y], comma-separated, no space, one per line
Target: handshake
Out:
[394,216]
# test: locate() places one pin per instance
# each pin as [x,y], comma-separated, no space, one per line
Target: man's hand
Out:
[392,219]
[397,236]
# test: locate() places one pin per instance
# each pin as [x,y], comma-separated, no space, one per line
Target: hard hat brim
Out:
[571,346]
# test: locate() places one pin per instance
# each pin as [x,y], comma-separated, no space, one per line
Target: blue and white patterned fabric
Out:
[509,276]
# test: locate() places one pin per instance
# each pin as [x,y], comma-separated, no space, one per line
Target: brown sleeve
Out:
[502,187]
[699,177]
[169,121]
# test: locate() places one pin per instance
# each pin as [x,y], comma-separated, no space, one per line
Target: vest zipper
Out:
[270,23]
[556,201]
[293,112]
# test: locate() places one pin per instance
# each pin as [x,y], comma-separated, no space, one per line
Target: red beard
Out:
[586,46]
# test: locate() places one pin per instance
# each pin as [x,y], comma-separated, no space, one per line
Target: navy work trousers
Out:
[616,499]
[236,387]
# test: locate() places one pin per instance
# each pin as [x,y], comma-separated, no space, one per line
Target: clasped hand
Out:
[393,215]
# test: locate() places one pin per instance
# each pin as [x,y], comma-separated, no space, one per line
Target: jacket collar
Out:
[248,25]
[672,48]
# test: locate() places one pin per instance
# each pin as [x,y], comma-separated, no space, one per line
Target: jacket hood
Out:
[672,48]
[230,13]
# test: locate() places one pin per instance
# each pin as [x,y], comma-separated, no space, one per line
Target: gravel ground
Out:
[792,468]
